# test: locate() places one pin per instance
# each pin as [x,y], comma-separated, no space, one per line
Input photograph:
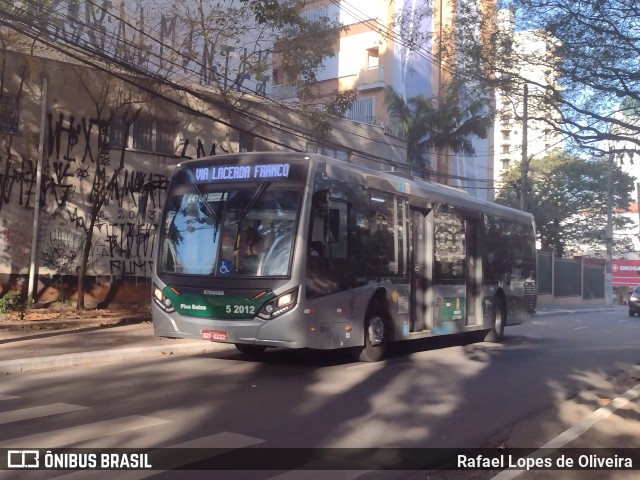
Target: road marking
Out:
[580,328]
[195,451]
[68,436]
[7,397]
[578,429]
[38,412]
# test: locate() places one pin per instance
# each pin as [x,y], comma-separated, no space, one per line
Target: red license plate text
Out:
[214,335]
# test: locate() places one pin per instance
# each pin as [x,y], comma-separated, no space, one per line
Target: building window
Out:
[9,115]
[362,110]
[328,152]
[165,138]
[145,134]
[142,135]
[373,57]
[505,149]
[316,14]
[506,134]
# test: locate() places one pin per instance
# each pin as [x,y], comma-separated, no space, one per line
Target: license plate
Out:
[214,335]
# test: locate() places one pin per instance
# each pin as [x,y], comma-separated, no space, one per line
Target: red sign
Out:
[626,272]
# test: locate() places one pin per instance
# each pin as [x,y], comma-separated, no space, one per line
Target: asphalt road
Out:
[545,377]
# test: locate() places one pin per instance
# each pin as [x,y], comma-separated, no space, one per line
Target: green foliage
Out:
[341,103]
[437,123]
[567,197]
[319,120]
[11,302]
[597,44]
[276,12]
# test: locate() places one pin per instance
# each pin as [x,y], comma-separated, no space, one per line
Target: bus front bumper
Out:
[279,332]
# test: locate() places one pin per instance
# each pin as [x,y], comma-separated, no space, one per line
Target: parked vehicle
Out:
[634,302]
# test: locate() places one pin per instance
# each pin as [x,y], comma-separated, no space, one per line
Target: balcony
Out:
[370,78]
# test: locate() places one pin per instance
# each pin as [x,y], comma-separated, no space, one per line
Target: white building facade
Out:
[533,74]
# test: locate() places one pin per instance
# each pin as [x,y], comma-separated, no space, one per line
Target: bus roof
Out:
[392,181]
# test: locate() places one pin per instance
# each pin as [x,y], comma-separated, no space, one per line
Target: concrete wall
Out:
[75,162]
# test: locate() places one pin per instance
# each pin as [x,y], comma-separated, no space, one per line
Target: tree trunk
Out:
[82,271]
[443,166]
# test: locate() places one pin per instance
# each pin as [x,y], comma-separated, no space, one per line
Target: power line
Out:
[375,25]
[253,117]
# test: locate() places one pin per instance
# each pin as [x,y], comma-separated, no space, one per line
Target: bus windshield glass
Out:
[233,229]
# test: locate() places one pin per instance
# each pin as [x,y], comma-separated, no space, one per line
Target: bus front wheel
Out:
[498,317]
[376,335]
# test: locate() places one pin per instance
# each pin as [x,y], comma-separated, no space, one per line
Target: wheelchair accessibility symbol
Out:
[225,267]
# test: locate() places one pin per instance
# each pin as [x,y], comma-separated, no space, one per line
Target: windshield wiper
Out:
[256,196]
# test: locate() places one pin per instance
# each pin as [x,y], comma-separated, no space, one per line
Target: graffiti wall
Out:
[76,164]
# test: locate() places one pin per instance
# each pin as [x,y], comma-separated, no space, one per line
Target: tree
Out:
[452,36]
[408,118]
[439,123]
[593,56]
[232,47]
[110,98]
[567,198]
[454,122]
[223,46]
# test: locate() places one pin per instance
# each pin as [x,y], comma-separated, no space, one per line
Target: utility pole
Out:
[608,271]
[638,205]
[524,165]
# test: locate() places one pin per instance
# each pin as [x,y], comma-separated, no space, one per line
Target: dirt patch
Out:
[58,311]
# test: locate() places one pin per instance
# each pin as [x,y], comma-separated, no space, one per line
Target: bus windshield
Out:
[244,229]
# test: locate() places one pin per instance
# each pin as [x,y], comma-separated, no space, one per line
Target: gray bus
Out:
[303,251]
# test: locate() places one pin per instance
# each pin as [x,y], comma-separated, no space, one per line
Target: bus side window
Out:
[318,241]
[338,234]
[317,244]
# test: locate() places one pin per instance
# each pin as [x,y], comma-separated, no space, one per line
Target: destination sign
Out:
[218,173]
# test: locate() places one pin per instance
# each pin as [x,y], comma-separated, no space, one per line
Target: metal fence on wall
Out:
[570,277]
[545,273]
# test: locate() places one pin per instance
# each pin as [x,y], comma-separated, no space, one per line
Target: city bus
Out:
[299,250]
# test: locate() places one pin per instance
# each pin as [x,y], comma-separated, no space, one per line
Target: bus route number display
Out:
[220,173]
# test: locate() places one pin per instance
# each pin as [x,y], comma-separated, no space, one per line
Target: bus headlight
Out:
[279,305]
[162,300]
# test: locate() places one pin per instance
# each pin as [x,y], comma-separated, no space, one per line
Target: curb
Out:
[560,311]
[102,356]
[41,326]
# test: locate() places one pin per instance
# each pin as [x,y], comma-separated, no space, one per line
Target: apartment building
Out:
[374,53]
[532,59]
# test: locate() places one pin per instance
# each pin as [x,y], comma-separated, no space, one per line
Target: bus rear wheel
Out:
[498,317]
[376,335]
[250,348]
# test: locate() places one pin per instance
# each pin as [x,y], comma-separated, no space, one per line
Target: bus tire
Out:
[498,318]
[376,334]
[249,348]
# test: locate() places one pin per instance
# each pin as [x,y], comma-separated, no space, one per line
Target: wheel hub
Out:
[376,331]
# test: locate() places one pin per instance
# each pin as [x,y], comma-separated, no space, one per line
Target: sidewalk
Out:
[27,346]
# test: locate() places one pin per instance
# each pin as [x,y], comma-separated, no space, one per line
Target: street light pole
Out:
[524,165]
[608,271]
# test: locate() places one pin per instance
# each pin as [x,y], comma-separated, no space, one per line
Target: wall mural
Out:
[75,164]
